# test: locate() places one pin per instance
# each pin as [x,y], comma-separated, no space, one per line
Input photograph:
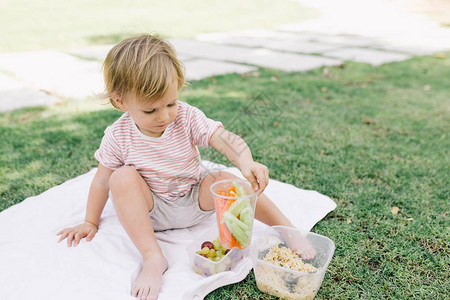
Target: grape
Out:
[211,253]
[208,244]
[220,252]
[216,244]
[205,250]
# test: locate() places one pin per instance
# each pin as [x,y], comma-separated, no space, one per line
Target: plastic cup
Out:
[206,267]
[235,214]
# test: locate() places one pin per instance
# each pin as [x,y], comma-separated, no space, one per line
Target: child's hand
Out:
[257,174]
[78,232]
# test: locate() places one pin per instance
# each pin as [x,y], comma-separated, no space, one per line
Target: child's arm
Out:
[98,195]
[237,151]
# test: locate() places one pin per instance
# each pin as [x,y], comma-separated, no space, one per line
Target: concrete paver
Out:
[92,52]
[252,33]
[202,68]
[412,50]
[290,45]
[373,57]
[346,40]
[184,57]
[7,83]
[323,37]
[56,72]
[261,57]
[99,53]
[288,62]
[15,94]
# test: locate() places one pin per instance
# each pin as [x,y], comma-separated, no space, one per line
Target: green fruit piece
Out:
[210,253]
[205,250]
[216,245]
[220,252]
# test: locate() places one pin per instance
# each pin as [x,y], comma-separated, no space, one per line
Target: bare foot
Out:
[299,243]
[148,283]
[307,251]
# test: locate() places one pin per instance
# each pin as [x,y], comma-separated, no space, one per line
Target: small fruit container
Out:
[235,202]
[209,266]
[273,275]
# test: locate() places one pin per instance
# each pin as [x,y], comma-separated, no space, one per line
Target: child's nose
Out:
[164,117]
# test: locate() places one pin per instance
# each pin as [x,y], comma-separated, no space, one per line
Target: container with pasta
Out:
[290,263]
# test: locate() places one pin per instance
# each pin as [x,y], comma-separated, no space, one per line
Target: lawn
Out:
[374,139]
[61,25]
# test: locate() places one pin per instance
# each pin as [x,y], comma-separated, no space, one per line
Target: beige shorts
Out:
[182,213]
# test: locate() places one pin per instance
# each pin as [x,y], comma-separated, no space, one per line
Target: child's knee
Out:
[217,176]
[123,177]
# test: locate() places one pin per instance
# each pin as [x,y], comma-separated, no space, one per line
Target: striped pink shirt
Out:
[170,164]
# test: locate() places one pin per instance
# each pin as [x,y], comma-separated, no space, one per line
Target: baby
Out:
[149,159]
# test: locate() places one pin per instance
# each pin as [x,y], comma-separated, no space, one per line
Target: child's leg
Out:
[133,201]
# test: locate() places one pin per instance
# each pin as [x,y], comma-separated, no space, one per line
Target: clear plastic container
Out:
[206,267]
[235,214]
[285,283]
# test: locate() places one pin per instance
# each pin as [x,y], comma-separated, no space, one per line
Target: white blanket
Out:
[34,266]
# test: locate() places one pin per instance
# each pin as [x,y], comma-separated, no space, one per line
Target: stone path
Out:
[15,94]
[37,78]
[58,73]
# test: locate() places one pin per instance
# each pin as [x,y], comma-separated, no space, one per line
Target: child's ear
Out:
[118,101]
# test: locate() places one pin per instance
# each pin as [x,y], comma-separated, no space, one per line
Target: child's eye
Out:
[172,104]
[149,111]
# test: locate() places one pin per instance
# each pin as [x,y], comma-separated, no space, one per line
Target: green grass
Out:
[61,25]
[371,138]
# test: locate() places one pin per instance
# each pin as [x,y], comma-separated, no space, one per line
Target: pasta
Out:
[283,283]
[286,258]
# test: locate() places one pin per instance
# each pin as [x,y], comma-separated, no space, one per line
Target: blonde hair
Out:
[144,65]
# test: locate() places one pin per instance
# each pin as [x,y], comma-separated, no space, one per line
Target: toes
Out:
[139,294]
[144,293]
[134,291]
[309,253]
[307,257]
[153,294]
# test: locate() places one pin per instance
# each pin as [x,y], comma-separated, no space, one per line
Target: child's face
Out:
[152,119]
